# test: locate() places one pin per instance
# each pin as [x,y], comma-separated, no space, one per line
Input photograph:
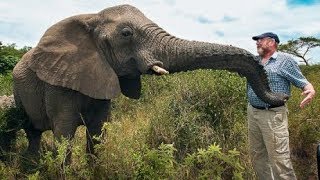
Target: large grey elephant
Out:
[84,61]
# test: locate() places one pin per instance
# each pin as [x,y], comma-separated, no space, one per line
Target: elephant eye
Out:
[126,32]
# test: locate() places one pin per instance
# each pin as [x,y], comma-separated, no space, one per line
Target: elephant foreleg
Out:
[94,118]
[34,137]
[63,113]
[65,126]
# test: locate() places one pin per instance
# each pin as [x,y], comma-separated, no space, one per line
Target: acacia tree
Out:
[300,47]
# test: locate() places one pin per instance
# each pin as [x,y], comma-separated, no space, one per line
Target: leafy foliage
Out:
[10,55]
[201,112]
[212,163]
[7,63]
[155,163]
[11,120]
[57,165]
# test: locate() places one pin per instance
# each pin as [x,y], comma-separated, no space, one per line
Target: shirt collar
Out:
[274,55]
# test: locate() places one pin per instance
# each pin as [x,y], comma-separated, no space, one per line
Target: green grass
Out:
[184,125]
[5,84]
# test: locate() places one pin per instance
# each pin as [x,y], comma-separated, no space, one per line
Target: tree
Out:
[300,47]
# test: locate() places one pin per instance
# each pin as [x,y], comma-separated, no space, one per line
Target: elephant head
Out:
[104,54]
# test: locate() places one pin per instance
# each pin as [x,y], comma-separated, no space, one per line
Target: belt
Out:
[267,107]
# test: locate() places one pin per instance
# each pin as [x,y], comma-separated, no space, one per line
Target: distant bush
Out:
[10,55]
[7,63]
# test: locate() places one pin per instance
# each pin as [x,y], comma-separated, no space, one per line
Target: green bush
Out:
[11,120]
[63,165]
[155,163]
[212,163]
[7,63]
[202,110]
[10,55]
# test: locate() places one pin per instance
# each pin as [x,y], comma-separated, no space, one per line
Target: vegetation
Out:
[188,125]
[300,47]
[10,55]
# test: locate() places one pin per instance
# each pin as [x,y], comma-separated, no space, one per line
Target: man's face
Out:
[264,45]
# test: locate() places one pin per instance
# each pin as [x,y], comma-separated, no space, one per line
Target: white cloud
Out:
[24,22]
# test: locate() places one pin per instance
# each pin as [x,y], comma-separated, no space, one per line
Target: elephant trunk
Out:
[182,55]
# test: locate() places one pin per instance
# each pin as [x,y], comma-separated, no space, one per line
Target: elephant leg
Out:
[94,118]
[32,153]
[34,137]
[65,126]
[62,110]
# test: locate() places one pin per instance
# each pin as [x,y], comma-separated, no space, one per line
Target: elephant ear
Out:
[67,56]
[130,87]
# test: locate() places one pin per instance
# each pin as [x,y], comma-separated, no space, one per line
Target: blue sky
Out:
[226,22]
[302,2]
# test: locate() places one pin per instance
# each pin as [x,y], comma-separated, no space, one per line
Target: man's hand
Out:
[309,92]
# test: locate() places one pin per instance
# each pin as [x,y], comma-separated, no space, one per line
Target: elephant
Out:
[84,61]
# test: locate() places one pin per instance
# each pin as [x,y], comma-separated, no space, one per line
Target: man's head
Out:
[266,43]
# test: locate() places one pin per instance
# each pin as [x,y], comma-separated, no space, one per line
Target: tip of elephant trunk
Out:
[159,70]
[277,99]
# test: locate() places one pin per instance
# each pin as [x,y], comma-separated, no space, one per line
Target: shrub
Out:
[202,109]
[212,163]
[155,163]
[10,55]
[7,63]
[11,120]
[57,165]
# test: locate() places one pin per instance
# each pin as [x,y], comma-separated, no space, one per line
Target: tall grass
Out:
[5,84]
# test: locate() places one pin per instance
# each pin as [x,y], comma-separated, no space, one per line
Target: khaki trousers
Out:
[269,143]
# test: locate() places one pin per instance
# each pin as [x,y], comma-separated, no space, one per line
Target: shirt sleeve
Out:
[291,71]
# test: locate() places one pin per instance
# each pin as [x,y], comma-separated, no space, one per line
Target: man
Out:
[268,125]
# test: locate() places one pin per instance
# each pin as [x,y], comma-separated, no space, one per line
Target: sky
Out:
[232,22]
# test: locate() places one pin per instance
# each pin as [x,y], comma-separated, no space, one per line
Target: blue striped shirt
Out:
[282,70]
